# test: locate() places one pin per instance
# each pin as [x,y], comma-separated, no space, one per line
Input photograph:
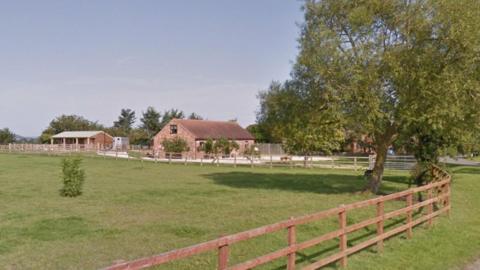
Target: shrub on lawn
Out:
[73,177]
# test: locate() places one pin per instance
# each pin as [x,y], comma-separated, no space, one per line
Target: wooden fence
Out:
[49,148]
[437,202]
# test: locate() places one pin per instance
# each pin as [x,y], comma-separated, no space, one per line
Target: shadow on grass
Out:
[320,183]
[396,179]
[467,170]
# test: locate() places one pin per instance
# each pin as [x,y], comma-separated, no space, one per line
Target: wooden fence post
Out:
[447,199]
[270,154]
[292,239]
[355,163]
[342,218]
[429,207]
[235,160]
[409,215]
[380,223]
[223,257]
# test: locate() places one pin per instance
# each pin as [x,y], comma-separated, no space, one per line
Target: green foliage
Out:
[224,146]
[194,116]
[259,133]
[252,151]
[208,147]
[401,66]
[73,177]
[125,121]
[175,145]
[6,136]
[221,146]
[151,122]
[171,114]
[301,116]
[68,123]
[139,136]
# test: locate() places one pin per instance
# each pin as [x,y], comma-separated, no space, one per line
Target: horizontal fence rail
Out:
[436,203]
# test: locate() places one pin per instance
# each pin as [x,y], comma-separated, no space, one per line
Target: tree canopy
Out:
[68,123]
[151,122]
[125,121]
[6,136]
[195,116]
[171,114]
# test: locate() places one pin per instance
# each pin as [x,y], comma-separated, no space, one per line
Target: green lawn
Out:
[130,210]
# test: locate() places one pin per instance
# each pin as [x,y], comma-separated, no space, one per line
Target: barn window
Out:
[173,129]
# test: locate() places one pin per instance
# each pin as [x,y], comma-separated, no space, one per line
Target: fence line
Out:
[438,193]
[271,160]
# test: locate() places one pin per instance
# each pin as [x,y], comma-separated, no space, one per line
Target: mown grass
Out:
[130,210]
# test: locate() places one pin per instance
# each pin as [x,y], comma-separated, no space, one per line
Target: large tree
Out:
[68,123]
[151,122]
[6,136]
[400,70]
[125,121]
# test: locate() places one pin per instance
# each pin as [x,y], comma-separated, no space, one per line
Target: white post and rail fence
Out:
[270,156]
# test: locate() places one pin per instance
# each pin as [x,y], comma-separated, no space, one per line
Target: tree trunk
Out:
[377,174]
[382,142]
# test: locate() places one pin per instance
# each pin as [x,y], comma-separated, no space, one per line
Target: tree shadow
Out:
[467,170]
[396,179]
[314,183]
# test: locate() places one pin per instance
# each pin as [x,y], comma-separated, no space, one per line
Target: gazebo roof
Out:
[77,134]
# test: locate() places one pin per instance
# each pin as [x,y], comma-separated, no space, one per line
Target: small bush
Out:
[73,177]
[175,145]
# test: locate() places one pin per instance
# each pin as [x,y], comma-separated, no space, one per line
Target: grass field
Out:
[129,210]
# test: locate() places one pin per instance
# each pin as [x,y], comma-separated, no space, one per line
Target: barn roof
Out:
[77,134]
[205,129]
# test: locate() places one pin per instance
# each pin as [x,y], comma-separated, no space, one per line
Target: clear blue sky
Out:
[93,58]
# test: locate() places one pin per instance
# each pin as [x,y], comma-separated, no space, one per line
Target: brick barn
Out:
[83,138]
[197,132]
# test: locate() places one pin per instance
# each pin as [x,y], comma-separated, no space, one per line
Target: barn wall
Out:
[181,132]
[103,139]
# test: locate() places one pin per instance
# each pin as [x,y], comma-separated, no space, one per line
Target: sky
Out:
[93,58]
